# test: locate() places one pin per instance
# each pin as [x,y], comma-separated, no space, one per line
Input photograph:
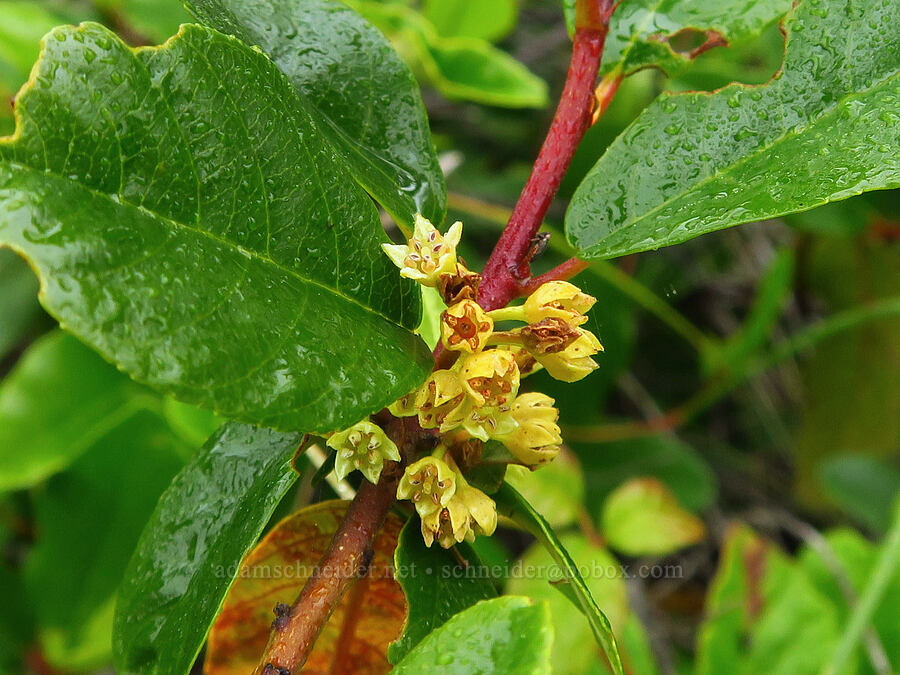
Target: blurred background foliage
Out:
[739,441]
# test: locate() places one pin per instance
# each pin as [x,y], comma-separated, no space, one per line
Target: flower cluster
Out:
[476,399]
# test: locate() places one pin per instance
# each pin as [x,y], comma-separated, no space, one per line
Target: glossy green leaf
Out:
[472,18]
[19,307]
[186,559]
[511,504]
[60,399]
[642,517]
[503,636]
[435,585]
[203,193]
[668,33]
[362,94]
[826,128]
[88,521]
[572,653]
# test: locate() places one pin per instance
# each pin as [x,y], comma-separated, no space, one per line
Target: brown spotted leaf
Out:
[356,638]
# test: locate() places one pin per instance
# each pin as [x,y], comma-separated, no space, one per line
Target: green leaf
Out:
[19,307]
[16,621]
[668,34]
[194,425]
[863,487]
[472,70]
[202,192]
[461,68]
[59,401]
[435,585]
[826,128]
[643,518]
[511,504]
[362,94]
[556,491]
[186,559]
[540,581]
[89,520]
[503,636]
[472,18]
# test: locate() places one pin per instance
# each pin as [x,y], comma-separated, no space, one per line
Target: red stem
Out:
[347,557]
[505,270]
[562,272]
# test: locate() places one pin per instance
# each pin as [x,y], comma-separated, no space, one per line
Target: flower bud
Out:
[465,327]
[536,439]
[491,378]
[429,484]
[441,401]
[428,255]
[363,446]
[558,299]
[574,362]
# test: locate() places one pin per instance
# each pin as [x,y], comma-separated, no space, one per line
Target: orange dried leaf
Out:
[356,638]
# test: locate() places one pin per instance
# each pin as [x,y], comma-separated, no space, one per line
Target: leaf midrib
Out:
[763,148]
[236,248]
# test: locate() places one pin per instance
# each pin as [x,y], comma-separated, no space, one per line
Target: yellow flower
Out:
[536,440]
[558,299]
[363,446]
[428,255]
[469,513]
[465,327]
[491,378]
[442,401]
[574,362]
[429,484]
[405,406]
[488,423]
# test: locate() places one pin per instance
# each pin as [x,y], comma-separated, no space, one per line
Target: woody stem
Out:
[508,265]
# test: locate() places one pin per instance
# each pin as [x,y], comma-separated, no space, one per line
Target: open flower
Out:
[363,446]
[405,406]
[487,423]
[441,401]
[574,362]
[465,327]
[428,255]
[469,513]
[429,484]
[558,299]
[491,378]
[536,439]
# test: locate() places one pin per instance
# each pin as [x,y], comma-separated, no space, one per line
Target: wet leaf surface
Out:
[436,585]
[362,94]
[503,636]
[197,230]
[192,546]
[826,128]
[357,635]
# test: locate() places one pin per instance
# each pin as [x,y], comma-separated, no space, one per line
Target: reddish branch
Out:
[294,631]
[505,277]
[508,266]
